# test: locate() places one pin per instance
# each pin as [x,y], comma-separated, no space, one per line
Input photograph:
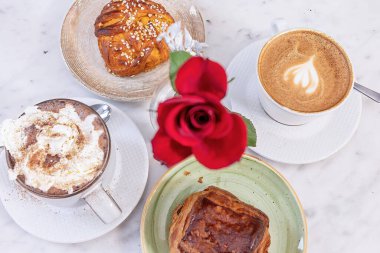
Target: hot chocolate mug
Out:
[94,194]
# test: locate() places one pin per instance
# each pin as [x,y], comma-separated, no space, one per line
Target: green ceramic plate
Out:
[251,180]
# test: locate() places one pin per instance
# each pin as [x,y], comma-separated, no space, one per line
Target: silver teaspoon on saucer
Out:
[375,96]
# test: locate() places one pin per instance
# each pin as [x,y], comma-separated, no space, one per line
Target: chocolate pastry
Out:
[127,32]
[215,221]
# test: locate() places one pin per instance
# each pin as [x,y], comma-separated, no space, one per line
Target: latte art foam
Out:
[305,71]
[53,149]
[304,75]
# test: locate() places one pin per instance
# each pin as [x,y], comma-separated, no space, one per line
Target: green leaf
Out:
[251,132]
[177,59]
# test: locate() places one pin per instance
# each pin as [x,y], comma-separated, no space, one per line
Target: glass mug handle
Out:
[103,204]
[101,201]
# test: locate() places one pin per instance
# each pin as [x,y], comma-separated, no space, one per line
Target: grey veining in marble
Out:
[341,195]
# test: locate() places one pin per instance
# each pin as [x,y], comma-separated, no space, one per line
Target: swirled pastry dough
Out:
[127,32]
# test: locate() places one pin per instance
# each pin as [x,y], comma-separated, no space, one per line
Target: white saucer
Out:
[126,182]
[289,144]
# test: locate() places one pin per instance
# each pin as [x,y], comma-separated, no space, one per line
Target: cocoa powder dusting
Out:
[31,135]
[50,161]
[40,159]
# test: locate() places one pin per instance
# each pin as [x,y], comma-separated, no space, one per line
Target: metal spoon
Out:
[375,96]
[103,110]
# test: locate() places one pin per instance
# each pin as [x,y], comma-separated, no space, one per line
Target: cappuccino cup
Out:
[58,151]
[303,74]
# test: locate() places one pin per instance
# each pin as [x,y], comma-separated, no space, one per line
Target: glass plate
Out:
[82,56]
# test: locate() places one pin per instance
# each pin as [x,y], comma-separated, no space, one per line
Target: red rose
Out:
[196,122]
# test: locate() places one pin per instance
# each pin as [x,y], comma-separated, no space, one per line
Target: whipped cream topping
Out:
[53,149]
[305,75]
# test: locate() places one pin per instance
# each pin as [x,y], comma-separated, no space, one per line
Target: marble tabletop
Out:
[341,195]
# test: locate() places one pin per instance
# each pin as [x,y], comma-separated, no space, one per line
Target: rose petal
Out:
[173,123]
[198,76]
[205,128]
[176,130]
[220,153]
[166,107]
[167,150]
[223,120]
[201,116]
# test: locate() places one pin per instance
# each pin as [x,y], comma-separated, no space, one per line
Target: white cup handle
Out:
[278,25]
[103,204]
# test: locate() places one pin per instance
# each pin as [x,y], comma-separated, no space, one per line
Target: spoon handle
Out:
[375,96]
[103,110]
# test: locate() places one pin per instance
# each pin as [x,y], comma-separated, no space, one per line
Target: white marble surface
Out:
[341,195]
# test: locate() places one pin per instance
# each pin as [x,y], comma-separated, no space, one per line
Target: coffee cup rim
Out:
[330,109]
[86,187]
